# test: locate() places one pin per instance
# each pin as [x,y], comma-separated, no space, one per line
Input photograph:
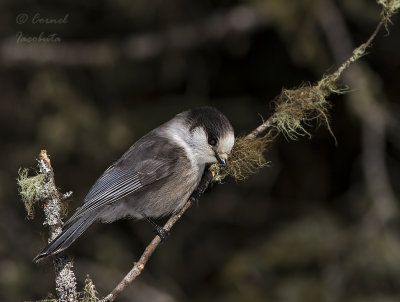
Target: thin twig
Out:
[65,277]
[262,128]
[374,120]
[139,266]
[360,51]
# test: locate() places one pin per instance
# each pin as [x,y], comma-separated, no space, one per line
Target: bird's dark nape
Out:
[67,236]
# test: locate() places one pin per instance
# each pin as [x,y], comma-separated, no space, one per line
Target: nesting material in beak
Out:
[246,157]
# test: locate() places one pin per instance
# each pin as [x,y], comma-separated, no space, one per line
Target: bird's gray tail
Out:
[72,230]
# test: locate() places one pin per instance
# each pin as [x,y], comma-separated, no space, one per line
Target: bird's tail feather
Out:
[72,231]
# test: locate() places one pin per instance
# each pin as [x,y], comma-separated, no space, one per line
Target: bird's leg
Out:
[203,185]
[194,198]
[159,230]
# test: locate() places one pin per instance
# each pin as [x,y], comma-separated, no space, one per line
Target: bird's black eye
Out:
[212,141]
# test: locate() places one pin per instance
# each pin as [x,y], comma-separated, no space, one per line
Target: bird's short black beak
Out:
[221,161]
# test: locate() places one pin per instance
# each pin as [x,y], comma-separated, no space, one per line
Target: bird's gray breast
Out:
[166,196]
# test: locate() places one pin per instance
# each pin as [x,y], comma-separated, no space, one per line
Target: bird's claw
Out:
[162,233]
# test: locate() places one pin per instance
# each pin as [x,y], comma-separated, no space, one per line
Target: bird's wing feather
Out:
[132,172]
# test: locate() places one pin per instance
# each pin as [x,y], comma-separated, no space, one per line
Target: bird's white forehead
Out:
[226,142]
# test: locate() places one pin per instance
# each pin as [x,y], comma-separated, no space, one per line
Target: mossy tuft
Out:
[89,293]
[29,189]
[296,108]
[390,7]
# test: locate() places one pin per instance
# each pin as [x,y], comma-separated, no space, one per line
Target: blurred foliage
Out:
[302,229]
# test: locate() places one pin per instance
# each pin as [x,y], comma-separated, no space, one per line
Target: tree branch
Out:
[51,198]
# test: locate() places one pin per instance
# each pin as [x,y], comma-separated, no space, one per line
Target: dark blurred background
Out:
[321,223]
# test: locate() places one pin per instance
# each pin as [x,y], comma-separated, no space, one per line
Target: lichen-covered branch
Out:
[52,207]
[42,188]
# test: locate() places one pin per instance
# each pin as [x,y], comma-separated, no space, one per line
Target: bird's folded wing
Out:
[117,182]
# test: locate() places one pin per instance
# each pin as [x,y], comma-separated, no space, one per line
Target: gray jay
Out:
[155,177]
